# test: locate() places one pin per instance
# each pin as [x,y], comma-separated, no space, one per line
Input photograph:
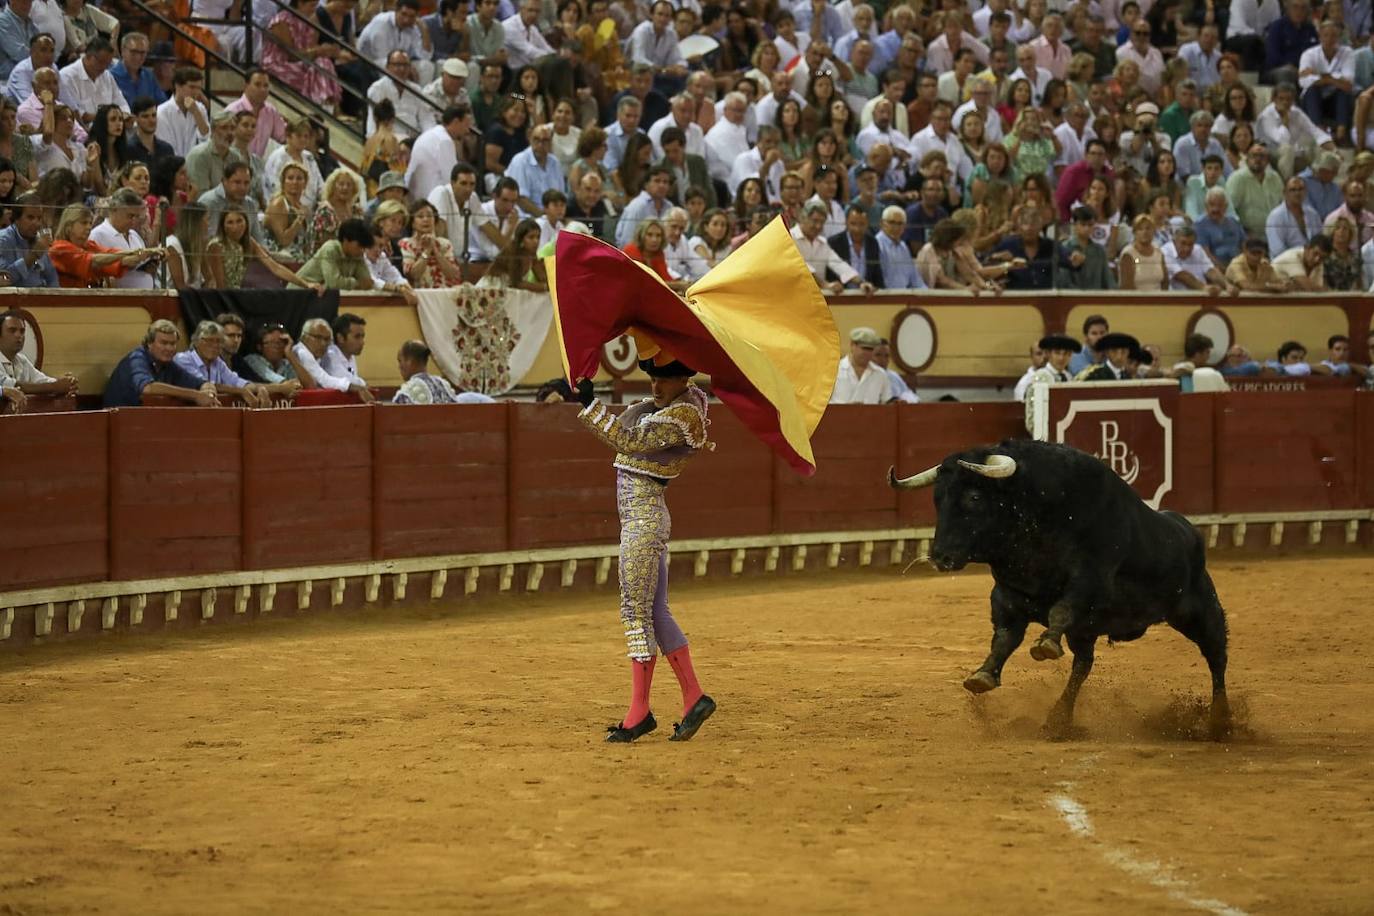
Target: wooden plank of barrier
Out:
[307,486]
[440,479]
[1364,447]
[854,446]
[1276,451]
[562,486]
[55,490]
[927,433]
[1194,448]
[175,492]
[725,492]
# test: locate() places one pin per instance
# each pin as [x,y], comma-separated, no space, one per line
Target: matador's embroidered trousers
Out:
[644,530]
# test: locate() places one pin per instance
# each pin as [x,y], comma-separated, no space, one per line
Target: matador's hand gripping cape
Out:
[757,324]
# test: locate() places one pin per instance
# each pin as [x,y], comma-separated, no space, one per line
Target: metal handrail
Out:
[353,49]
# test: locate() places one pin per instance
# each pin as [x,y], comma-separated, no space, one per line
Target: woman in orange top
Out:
[647,248]
[81,263]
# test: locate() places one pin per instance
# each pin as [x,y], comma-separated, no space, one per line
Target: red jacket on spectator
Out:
[1073,183]
[74,267]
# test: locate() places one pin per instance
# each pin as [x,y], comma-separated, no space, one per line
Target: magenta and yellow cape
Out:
[757,324]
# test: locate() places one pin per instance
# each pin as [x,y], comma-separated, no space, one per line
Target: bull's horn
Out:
[916,481]
[997,466]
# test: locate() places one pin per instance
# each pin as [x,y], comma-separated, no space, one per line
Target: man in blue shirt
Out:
[1294,221]
[899,267]
[149,370]
[16,31]
[42,53]
[536,170]
[133,79]
[24,246]
[1220,235]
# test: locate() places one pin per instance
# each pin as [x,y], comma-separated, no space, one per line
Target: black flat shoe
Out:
[619,734]
[701,711]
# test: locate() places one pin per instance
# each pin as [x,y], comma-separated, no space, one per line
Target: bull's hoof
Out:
[1046,649]
[981,682]
[1219,724]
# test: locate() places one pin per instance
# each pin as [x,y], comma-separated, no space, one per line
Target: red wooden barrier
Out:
[1193,492]
[1364,446]
[307,477]
[562,486]
[54,499]
[439,480]
[928,433]
[853,446]
[727,492]
[1276,451]
[175,492]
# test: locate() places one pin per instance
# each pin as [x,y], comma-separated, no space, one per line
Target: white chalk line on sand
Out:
[1147,870]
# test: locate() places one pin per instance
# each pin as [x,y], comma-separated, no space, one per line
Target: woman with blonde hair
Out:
[186,248]
[1343,265]
[1141,265]
[338,202]
[1081,75]
[288,215]
[427,258]
[389,226]
[81,263]
[766,60]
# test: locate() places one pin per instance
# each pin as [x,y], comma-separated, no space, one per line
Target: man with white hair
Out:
[205,360]
[864,29]
[898,266]
[1073,134]
[728,138]
[1050,50]
[1027,69]
[324,360]
[980,105]
[682,115]
[1191,148]
[676,251]
[859,380]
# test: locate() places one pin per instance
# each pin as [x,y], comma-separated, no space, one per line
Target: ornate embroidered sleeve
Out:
[675,426]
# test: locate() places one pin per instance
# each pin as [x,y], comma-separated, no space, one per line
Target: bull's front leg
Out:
[1084,591]
[1008,629]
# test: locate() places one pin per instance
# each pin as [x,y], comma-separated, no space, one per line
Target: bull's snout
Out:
[947,562]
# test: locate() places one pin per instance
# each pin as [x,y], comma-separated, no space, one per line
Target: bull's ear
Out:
[995,466]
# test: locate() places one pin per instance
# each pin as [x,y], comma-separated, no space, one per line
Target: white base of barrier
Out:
[109,596]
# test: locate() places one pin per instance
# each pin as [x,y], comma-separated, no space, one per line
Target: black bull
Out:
[1071,546]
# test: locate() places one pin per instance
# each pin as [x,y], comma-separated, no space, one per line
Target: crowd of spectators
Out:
[974,145]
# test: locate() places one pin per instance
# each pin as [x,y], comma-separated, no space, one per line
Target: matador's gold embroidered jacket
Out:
[649,441]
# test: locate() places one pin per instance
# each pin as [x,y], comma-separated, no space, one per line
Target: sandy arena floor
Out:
[453,762]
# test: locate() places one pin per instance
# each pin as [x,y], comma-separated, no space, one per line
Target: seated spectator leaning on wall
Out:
[325,363]
[149,369]
[275,360]
[860,381]
[1251,271]
[205,361]
[1292,360]
[1080,263]
[419,387]
[1337,360]
[19,369]
[24,246]
[1305,266]
[340,262]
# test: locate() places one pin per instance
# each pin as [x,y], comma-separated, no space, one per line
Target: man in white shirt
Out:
[459,193]
[763,162]
[1027,69]
[19,369]
[1189,267]
[229,37]
[413,113]
[493,225]
[860,380]
[87,83]
[728,138]
[1145,56]
[819,256]
[1073,135]
[766,108]
[398,31]
[683,117]
[1326,75]
[183,120]
[938,136]
[654,42]
[940,54]
[117,231]
[330,355]
[881,131]
[1288,131]
[980,105]
[436,152]
[1245,28]
[525,44]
